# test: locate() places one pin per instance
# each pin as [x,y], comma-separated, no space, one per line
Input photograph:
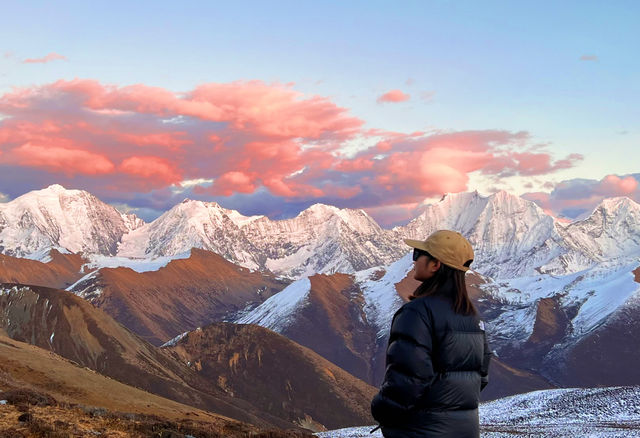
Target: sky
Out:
[270,107]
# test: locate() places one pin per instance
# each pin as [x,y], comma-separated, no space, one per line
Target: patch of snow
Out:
[175,340]
[351,432]
[607,287]
[42,255]
[240,219]
[9,291]
[137,264]
[51,338]
[515,325]
[88,276]
[276,312]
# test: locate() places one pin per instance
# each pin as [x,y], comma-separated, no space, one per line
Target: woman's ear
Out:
[436,266]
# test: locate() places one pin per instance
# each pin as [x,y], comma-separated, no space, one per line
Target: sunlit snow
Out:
[276,312]
[137,264]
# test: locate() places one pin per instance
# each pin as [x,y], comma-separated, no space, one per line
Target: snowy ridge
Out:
[276,312]
[381,298]
[321,239]
[174,341]
[597,292]
[97,261]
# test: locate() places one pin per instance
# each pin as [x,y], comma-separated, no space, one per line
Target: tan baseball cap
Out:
[450,247]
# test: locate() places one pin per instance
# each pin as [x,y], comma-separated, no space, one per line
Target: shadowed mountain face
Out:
[276,375]
[333,324]
[185,294]
[61,322]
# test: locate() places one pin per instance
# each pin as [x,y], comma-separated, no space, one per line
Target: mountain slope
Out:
[324,313]
[186,293]
[29,368]
[261,366]
[58,270]
[346,319]
[71,327]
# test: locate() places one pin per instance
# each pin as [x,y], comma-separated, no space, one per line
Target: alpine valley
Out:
[169,300]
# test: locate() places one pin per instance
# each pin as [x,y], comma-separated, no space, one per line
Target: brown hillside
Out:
[59,321]
[185,294]
[64,399]
[60,272]
[276,375]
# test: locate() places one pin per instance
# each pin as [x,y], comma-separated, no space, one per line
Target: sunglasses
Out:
[418,252]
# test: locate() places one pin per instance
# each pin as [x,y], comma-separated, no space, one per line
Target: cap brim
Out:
[419,244]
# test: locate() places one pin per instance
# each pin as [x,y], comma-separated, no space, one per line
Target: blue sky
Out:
[566,73]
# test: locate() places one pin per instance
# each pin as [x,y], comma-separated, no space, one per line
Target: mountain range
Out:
[559,299]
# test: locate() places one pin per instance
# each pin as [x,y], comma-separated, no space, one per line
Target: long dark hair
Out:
[458,292]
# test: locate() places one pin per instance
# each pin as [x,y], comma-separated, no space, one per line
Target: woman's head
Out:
[443,258]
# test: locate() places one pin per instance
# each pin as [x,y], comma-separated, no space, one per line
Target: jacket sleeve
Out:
[484,371]
[409,370]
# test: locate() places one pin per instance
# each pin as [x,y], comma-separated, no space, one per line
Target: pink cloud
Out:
[588,58]
[150,167]
[171,140]
[393,96]
[50,57]
[60,159]
[234,182]
[245,136]
[613,185]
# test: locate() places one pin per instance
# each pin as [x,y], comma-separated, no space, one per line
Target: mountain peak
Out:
[614,204]
[319,207]
[56,188]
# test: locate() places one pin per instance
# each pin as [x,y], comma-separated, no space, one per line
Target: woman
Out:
[437,357]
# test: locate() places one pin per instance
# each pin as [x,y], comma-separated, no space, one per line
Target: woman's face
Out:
[425,267]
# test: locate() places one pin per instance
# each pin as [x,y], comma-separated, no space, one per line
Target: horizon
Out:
[364,105]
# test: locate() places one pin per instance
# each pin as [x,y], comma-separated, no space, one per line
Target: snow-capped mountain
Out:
[69,220]
[510,236]
[192,224]
[321,239]
[612,231]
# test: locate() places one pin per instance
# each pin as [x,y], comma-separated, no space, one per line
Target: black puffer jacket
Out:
[437,364]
